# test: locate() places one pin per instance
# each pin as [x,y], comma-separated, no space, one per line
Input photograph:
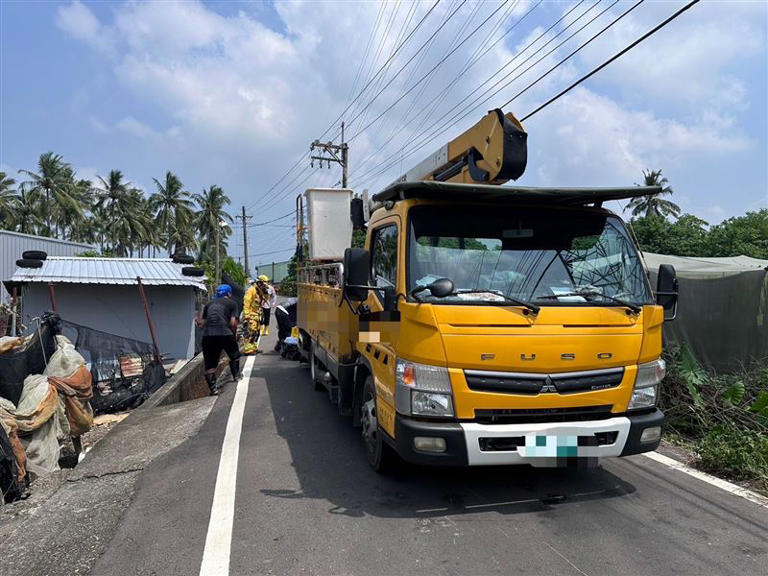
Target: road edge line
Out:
[218,540]
[730,487]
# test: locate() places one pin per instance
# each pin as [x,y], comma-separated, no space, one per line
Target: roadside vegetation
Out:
[115,216]
[660,227]
[721,418]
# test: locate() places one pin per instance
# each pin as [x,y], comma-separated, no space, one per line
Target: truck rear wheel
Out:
[380,455]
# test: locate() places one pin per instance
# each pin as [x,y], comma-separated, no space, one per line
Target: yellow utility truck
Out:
[485,324]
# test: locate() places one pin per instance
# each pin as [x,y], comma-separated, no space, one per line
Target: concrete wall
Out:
[118,310]
[13,244]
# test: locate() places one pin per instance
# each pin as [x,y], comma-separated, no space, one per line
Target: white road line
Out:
[709,479]
[218,541]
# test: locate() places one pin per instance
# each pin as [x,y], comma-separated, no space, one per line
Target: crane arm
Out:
[492,151]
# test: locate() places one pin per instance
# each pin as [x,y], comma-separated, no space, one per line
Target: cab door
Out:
[379,326]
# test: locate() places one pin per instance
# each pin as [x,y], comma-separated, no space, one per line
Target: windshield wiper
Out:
[527,305]
[587,293]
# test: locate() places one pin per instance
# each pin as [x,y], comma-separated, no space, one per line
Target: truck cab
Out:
[491,325]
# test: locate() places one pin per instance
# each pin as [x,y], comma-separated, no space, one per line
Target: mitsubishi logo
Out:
[547,387]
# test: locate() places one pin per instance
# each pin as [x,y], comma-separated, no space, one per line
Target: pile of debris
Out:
[51,408]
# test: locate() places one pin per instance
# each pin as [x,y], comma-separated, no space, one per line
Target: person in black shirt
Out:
[219,323]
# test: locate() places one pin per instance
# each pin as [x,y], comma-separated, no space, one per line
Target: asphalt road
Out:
[307,503]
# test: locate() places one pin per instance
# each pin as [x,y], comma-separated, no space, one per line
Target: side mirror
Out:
[666,291]
[357,268]
[441,287]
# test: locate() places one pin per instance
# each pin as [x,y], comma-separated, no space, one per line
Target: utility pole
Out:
[245,219]
[338,153]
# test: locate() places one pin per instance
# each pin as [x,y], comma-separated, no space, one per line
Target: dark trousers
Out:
[265,313]
[213,346]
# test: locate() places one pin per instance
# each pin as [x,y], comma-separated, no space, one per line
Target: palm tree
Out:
[8,201]
[209,218]
[54,179]
[654,206]
[72,216]
[28,209]
[118,205]
[150,235]
[173,212]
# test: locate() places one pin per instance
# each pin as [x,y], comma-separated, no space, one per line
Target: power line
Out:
[435,67]
[290,249]
[403,29]
[442,126]
[367,49]
[411,59]
[489,79]
[612,58]
[334,123]
[397,128]
[254,224]
[573,53]
[430,108]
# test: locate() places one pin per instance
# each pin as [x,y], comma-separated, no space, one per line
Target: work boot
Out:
[234,368]
[210,379]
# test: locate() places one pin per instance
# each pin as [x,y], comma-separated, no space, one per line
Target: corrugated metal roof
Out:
[13,244]
[153,272]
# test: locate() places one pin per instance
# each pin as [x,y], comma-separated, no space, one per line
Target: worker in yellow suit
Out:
[255,296]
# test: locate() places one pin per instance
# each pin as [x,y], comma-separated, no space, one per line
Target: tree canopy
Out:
[111,213]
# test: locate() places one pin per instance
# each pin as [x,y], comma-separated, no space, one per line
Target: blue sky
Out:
[232,93]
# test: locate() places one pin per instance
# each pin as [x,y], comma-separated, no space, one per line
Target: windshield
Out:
[551,257]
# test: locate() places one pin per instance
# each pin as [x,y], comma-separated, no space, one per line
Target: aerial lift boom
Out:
[492,151]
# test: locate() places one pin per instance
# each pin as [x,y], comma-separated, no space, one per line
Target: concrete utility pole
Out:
[333,150]
[245,219]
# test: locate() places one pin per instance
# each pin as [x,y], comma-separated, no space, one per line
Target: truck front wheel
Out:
[380,455]
[314,370]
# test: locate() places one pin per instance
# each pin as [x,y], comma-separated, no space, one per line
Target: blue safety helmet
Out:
[223,290]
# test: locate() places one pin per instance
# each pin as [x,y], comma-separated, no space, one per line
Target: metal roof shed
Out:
[102,293]
[14,244]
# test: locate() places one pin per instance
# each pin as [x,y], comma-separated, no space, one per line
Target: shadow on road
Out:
[329,460]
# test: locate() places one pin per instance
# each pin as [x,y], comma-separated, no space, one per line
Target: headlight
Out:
[646,390]
[422,390]
[431,404]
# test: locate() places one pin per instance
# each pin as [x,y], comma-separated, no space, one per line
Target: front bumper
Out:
[467,442]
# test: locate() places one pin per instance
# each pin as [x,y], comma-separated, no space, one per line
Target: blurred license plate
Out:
[550,446]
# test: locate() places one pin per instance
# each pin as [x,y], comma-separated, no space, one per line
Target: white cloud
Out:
[77,20]
[587,139]
[239,101]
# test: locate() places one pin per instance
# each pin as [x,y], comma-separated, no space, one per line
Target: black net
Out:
[19,363]
[722,318]
[124,370]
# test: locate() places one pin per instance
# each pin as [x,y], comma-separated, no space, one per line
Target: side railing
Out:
[322,274]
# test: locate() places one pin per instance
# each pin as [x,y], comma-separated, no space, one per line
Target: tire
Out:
[380,455]
[29,263]
[183,259]
[34,255]
[313,370]
[192,271]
